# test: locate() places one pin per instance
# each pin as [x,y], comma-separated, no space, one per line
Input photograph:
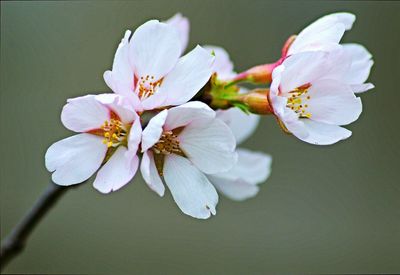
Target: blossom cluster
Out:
[178,118]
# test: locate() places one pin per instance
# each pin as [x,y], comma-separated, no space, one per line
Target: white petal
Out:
[74,159]
[323,34]
[186,113]
[209,145]
[190,188]
[135,135]
[120,79]
[182,25]
[150,173]
[361,63]
[222,65]
[84,113]
[154,49]
[252,167]
[360,88]
[117,171]
[242,125]
[333,103]
[323,134]
[119,105]
[189,75]
[152,133]
[237,190]
[303,68]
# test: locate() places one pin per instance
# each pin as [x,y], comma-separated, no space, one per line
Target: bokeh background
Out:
[333,209]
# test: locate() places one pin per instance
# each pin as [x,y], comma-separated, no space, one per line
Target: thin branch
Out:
[15,242]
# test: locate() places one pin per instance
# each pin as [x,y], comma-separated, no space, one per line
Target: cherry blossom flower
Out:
[149,71]
[182,144]
[310,98]
[109,136]
[322,35]
[325,35]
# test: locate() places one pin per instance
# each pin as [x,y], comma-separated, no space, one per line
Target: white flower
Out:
[109,136]
[179,145]
[149,71]
[325,35]
[252,167]
[310,98]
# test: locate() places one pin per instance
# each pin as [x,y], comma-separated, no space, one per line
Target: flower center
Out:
[167,144]
[114,132]
[148,86]
[298,99]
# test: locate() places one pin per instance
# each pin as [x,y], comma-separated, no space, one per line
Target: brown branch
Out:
[15,242]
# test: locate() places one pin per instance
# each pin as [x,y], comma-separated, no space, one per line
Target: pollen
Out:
[114,132]
[298,101]
[148,86]
[168,144]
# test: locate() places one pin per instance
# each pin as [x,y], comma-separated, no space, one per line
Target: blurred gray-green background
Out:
[332,209]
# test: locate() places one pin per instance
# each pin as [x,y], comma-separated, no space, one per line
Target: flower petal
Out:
[222,65]
[74,159]
[154,49]
[252,167]
[182,25]
[85,113]
[303,68]
[361,63]
[189,75]
[237,190]
[324,34]
[120,79]
[242,125]
[333,103]
[186,113]
[322,134]
[117,171]
[152,133]
[150,173]
[119,105]
[190,188]
[209,145]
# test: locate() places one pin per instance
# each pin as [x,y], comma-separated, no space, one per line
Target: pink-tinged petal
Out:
[301,69]
[135,135]
[323,134]
[360,88]
[252,167]
[84,113]
[74,159]
[222,65]
[154,49]
[332,102]
[323,34]
[152,133]
[190,188]
[117,171]
[120,79]
[150,173]
[182,25]
[237,190]
[186,113]
[242,125]
[209,145]
[189,75]
[119,105]
[361,63]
